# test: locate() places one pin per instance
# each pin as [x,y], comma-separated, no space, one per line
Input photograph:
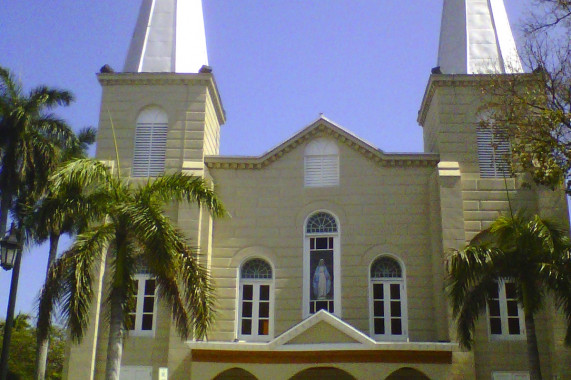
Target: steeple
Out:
[169,37]
[476,38]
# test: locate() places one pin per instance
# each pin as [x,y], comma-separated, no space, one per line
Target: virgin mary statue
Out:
[321,281]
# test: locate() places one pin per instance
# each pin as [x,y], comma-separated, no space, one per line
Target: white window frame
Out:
[256,283]
[150,143]
[336,265]
[140,298]
[505,335]
[507,375]
[386,290]
[321,163]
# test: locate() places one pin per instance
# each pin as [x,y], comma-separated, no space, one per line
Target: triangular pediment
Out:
[322,332]
[319,128]
[322,328]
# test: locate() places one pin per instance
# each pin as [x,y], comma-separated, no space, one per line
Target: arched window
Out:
[255,321]
[321,163]
[150,143]
[387,300]
[321,279]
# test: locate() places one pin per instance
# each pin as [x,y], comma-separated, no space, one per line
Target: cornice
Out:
[461,80]
[145,79]
[323,128]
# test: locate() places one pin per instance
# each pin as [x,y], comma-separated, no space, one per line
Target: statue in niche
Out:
[321,281]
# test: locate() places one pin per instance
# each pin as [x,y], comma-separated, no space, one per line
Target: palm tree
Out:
[51,218]
[134,231]
[531,253]
[31,139]
[32,143]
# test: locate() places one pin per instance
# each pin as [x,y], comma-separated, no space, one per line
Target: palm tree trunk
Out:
[42,343]
[115,344]
[532,350]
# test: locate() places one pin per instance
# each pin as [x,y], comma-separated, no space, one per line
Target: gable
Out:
[322,332]
[323,127]
[322,327]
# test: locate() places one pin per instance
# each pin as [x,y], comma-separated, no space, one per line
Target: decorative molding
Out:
[323,127]
[144,79]
[318,357]
[461,80]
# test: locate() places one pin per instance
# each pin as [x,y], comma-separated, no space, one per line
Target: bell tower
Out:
[476,49]
[161,114]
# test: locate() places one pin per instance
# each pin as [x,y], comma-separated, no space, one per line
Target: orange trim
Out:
[306,357]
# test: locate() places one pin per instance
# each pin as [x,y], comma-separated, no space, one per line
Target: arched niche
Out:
[322,373]
[235,374]
[407,374]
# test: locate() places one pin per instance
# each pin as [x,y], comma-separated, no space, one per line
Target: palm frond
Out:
[175,266]
[46,97]
[84,172]
[198,293]
[556,277]
[77,276]
[56,130]
[466,268]
[474,305]
[169,293]
[51,294]
[9,85]
[181,187]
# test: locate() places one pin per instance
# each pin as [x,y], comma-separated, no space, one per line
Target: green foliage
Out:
[133,231]
[533,253]
[23,350]
[535,109]
[32,139]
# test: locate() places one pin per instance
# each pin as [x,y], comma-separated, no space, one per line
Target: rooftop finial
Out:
[476,38]
[169,37]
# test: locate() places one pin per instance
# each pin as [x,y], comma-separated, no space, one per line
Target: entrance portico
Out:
[318,345]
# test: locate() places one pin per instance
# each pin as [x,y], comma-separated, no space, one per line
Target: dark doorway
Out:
[322,373]
[235,374]
[407,374]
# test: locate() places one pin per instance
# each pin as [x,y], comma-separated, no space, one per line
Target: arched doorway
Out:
[322,373]
[407,374]
[235,374]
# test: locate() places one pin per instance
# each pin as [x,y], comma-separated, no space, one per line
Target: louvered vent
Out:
[150,143]
[494,153]
[321,171]
[321,163]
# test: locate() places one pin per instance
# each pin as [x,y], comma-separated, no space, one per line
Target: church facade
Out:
[331,263]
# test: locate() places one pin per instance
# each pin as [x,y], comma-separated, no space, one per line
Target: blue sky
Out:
[278,63]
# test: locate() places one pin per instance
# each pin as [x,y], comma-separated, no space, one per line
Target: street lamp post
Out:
[11,257]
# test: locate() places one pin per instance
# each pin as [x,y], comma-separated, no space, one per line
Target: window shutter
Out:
[330,170]
[150,148]
[493,153]
[321,171]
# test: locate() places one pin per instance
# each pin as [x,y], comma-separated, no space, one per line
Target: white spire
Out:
[476,38]
[169,37]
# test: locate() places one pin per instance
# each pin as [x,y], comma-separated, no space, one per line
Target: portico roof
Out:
[345,344]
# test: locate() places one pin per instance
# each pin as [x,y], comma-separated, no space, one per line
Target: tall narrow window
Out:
[387,301]
[505,314]
[256,301]
[493,153]
[321,163]
[321,264]
[150,143]
[142,315]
